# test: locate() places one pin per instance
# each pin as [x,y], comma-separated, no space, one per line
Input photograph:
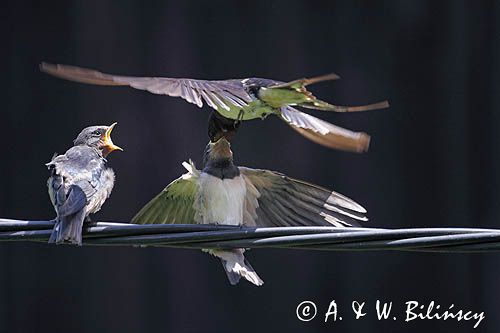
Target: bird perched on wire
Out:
[223,193]
[80,182]
[243,99]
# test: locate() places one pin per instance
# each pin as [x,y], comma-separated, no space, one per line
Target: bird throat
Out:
[218,160]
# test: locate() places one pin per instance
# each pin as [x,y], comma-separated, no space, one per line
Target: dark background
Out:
[434,159]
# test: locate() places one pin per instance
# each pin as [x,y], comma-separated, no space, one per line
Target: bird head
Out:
[219,126]
[218,151]
[98,137]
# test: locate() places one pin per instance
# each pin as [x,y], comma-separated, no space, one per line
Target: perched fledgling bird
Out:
[223,193]
[80,182]
[243,99]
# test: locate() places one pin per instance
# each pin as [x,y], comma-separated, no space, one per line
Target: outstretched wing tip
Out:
[364,142]
[362,210]
[216,94]
[46,67]
[284,201]
[325,133]
[333,76]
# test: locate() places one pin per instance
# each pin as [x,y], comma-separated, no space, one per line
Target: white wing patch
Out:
[191,168]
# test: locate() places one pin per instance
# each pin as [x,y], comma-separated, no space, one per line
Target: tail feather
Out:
[236,266]
[301,83]
[317,104]
[234,278]
[68,229]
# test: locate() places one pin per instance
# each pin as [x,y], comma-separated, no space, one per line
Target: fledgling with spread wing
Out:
[243,99]
[223,193]
[80,182]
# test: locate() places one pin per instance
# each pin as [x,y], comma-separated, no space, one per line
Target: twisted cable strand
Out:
[446,240]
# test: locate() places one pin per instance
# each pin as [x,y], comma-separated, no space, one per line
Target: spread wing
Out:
[174,205]
[224,94]
[228,95]
[324,133]
[283,201]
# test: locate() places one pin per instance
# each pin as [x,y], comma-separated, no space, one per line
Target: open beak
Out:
[108,143]
[220,149]
[222,141]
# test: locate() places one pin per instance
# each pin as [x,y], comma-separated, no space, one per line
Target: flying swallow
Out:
[243,99]
[222,193]
[80,182]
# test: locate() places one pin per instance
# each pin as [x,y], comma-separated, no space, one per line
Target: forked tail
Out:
[236,266]
[317,104]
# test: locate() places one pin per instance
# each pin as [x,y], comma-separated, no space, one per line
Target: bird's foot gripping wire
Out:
[89,223]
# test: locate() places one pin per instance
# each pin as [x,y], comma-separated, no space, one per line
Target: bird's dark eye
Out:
[253,90]
[96,133]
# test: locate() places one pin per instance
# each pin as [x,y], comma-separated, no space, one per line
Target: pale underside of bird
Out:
[252,198]
[243,99]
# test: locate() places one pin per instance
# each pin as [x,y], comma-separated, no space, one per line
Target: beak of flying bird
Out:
[108,145]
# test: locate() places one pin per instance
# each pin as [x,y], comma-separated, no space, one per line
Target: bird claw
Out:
[89,223]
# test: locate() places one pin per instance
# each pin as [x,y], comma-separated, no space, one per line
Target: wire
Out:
[196,236]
